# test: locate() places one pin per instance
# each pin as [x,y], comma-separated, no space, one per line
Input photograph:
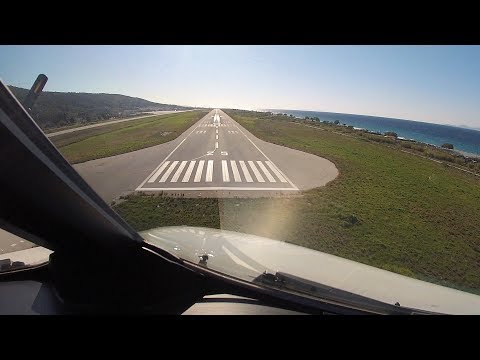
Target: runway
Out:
[215,157]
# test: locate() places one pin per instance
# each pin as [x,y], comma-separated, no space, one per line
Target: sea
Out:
[467,141]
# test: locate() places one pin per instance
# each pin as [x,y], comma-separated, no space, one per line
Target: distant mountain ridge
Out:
[57,109]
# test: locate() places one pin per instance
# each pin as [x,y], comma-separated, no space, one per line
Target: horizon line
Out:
[378,116]
[259,109]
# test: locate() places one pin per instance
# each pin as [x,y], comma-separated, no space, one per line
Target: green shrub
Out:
[391,133]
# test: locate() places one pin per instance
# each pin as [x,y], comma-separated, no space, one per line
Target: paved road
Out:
[215,157]
[154,113]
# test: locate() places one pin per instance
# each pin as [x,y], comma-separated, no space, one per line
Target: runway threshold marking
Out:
[266,172]
[270,165]
[236,174]
[246,173]
[225,174]
[188,173]
[209,175]
[256,172]
[170,167]
[179,171]
[158,172]
[198,174]
[169,171]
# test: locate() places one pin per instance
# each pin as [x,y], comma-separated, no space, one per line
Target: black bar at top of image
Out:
[241,23]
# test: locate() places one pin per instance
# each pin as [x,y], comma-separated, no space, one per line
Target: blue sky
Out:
[437,84]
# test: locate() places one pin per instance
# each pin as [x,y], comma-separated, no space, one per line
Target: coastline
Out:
[466,141]
[456,158]
[467,154]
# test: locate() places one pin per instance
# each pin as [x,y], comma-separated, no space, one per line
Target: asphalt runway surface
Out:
[214,157]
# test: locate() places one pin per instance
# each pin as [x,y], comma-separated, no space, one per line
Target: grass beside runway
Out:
[114,139]
[387,208]
[145,212]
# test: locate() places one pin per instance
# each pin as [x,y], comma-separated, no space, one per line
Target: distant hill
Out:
[57,109]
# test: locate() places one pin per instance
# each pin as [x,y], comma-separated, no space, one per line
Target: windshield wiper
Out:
[289,282]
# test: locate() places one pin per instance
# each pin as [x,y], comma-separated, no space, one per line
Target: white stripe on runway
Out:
[236,174]
[216,137]
[216,144]
[229,188]
[186,177]
[274,169]
[226,175]
[169,171]
[256,172]
[179,171]
[266,172]
[216,131]
[209,171]
[245,171]
[198,174]
[158,172]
